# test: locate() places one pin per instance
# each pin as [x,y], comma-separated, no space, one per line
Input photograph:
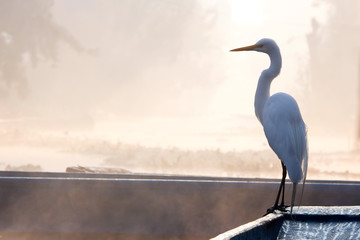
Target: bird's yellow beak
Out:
[248,48]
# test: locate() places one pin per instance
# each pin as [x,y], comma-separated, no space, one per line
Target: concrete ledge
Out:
[309,222]
[267,227]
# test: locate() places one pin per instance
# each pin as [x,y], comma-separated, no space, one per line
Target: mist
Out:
[152,87]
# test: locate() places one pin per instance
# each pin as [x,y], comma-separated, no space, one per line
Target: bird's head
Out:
[265,45]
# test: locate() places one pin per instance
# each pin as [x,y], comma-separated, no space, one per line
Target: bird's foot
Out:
[281,208]
[270,210]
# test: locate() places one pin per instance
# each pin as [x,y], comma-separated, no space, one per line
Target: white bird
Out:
[281,119]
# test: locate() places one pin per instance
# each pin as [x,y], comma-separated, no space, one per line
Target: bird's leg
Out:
[282,206]
[276,204]
[282,187]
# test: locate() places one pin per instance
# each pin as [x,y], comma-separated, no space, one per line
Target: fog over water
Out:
[151,86]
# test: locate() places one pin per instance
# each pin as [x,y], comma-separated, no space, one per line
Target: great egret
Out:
[283,125]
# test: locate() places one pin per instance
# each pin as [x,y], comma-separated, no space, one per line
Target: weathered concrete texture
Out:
[333,222]
[266,228]
[313,211]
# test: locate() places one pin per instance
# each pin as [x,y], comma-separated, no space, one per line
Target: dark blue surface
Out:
[322,223]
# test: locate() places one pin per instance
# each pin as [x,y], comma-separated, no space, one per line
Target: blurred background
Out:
[151,87]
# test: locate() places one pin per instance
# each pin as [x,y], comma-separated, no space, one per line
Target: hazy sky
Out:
[165,58]
[163,68]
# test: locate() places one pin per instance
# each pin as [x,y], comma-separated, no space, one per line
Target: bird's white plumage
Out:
[280,116]
[286,132]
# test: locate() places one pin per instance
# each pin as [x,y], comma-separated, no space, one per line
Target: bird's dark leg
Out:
[282,206]
[281,188]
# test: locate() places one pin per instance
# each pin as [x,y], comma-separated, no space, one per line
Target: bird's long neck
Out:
[266,77]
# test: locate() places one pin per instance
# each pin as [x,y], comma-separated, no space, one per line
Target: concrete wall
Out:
[167,207]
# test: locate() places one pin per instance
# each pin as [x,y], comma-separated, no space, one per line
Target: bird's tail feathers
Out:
[305,166]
